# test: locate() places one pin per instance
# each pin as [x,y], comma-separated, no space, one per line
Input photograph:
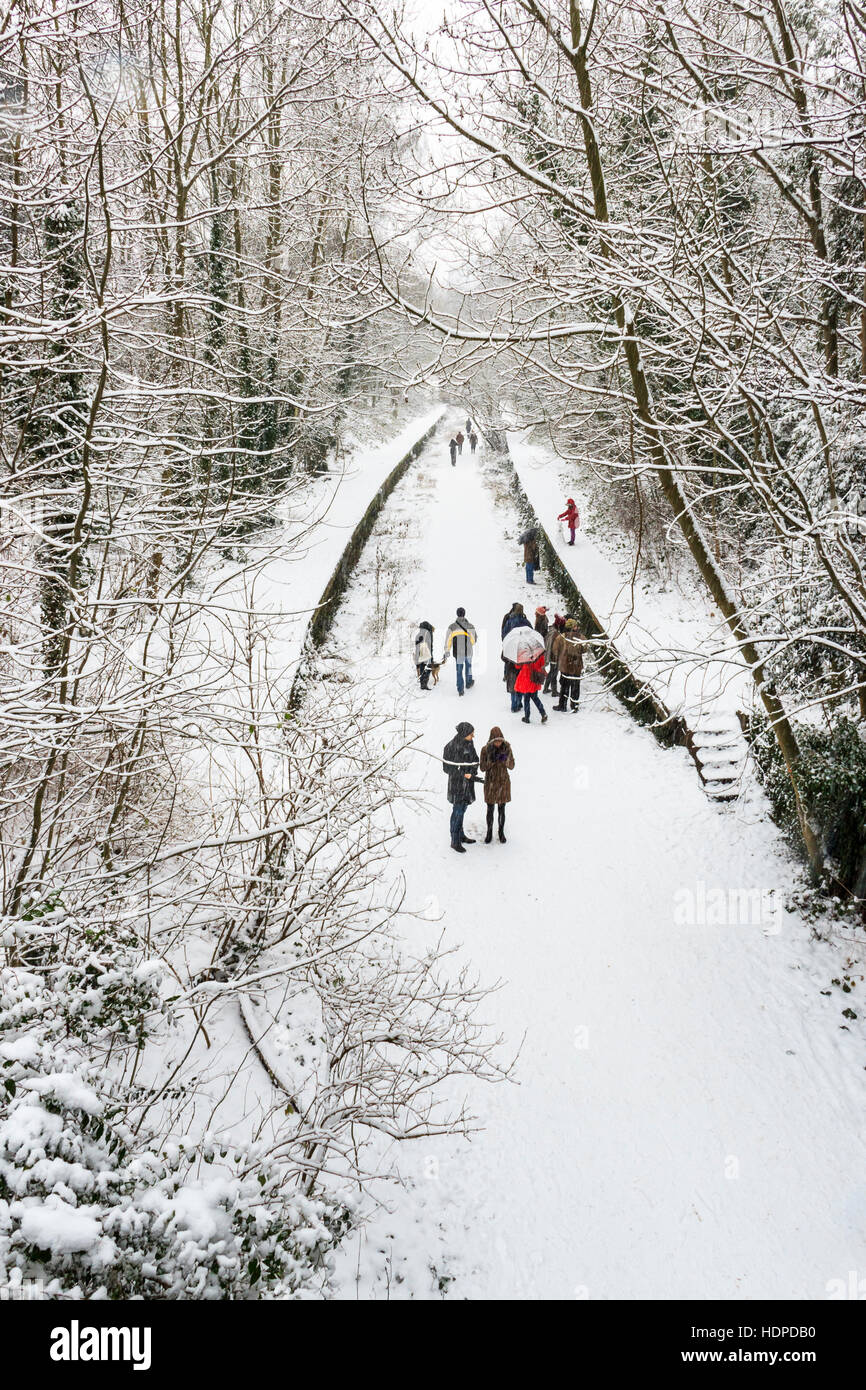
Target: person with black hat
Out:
[460,765]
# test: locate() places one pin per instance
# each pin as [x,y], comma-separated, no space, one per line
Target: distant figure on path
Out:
[568,653]
[473,440]
[459,436]
[460,638]
[571,517]
[460,764]
[469,428]
[530,679]
[423,653]
[452,449]
[497,760]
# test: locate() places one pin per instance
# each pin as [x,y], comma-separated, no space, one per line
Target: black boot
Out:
[489,836]
[459,848]
[502,825]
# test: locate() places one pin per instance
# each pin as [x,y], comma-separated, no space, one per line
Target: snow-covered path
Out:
[688,1115]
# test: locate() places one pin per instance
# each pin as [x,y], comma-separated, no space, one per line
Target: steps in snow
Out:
[721,753]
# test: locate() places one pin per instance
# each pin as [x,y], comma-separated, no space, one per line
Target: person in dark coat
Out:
[452,449]
[531,556]
[468,427]
[460,764]
[497,760]
[473,440]
[568,651]
[550,685]
[423,653]
[530,679]
[515,617]
[542,626]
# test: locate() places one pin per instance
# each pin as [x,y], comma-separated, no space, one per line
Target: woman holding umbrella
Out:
[525,648]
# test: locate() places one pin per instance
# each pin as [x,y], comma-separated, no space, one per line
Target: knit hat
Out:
[517,607]
[541,609]
[570,624]
[495,733]
[463,729]
[570,501]
[558,620]
[461,612]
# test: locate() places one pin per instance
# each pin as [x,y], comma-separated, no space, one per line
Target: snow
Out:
[681,1118]
[58,1227]
[67,1089]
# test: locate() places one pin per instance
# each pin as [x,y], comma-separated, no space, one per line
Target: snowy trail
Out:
[687,1119]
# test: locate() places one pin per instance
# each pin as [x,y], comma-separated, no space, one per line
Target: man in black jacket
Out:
[460,764]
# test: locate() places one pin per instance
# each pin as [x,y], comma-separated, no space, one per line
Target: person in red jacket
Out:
[571,517]
[530,679]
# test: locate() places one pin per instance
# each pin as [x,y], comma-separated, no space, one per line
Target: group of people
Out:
[560,659]
[456,442]
[461,764]
[460,638]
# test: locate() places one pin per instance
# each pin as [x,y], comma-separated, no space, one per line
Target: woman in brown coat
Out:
[497,760]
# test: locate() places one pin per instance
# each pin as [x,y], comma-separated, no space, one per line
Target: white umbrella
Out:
[522,644]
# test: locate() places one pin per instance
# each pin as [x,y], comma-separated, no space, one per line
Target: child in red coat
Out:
[571,517]
[530,679]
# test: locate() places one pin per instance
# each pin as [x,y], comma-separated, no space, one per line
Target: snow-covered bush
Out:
[832,781]
[94,1205]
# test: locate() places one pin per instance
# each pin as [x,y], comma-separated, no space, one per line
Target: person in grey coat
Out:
[460,638]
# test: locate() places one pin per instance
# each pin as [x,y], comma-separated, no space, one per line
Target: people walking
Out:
[460,765]
[530,679]
[515,617]
[497,760]
[571,517]
[556,627]
[424,653]
[461,438]
[473,441]
[531,557]
[460,638]
[568,654]
[452,449]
